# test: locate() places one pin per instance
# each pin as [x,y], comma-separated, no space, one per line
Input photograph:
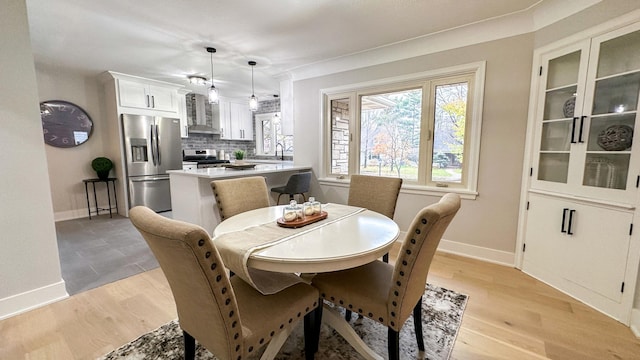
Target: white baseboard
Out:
[70,214]
[634,324]
[29,300]
[478,252]
[475,252]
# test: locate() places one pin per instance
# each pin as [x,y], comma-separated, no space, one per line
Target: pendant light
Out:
[213,92]
[253,100]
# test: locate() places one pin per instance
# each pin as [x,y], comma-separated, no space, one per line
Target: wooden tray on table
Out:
[300,223]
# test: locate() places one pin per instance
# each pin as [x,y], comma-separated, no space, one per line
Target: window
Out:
[269,136]
[423,128]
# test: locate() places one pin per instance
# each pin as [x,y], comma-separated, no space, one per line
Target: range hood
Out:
[200,123]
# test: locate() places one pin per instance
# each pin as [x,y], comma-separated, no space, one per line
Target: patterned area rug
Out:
[442,311]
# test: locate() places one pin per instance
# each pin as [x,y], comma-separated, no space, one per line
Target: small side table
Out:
[95,199]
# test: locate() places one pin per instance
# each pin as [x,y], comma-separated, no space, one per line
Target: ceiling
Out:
[166,39]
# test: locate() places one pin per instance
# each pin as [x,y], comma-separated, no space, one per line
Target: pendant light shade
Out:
[213,92]
[253,100]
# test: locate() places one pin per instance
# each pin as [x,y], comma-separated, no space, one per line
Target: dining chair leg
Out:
[312,322]
[385,258]
[417,324]
[189,346]
[278,203]
[347,315]
[393,339]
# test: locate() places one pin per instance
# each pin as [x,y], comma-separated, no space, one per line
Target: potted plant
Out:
[239,154]
[102,166]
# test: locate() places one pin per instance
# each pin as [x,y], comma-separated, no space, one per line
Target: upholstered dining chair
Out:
[225,315]
[376,193]
[297,184]
[387,293]
[235,196]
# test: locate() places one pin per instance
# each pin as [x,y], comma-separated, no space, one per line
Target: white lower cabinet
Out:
[581,248]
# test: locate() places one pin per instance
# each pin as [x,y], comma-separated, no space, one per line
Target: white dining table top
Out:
[349,242]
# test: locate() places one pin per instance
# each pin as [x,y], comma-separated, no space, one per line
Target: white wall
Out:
[489,221]
[29,265]
[68,166]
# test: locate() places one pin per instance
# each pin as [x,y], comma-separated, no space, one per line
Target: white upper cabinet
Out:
[236,121]
[143,95]
[587,116]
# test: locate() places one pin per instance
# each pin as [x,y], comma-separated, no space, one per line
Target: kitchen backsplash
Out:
[209,141]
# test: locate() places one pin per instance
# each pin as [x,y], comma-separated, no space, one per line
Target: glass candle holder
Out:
[290,212]
[317,206]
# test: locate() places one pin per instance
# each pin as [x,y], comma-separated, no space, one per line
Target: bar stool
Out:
[297,184]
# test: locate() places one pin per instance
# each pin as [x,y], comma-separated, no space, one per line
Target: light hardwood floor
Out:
[509,316]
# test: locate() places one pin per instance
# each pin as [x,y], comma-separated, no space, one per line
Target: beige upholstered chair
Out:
[235,196]
[376,193]
[226,316]
[386,293]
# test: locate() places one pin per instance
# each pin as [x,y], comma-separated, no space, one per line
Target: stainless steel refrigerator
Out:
[152,146]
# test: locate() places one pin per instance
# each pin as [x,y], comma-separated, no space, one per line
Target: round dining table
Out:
[345,243]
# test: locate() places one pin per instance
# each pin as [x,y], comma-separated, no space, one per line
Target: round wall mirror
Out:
[64,124]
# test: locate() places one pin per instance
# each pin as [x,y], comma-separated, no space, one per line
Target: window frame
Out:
[474,73]
[259,119]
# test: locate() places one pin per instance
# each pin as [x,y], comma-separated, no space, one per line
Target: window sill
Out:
[410,188]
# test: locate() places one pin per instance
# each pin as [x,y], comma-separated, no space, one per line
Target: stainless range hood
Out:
[200,123]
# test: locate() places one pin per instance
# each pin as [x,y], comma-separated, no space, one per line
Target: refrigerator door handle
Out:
[156,178]
[153,146]
[158,146]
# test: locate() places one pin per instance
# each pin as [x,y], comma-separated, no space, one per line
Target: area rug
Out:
[442,311]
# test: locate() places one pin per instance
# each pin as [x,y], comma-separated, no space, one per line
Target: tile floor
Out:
[100,251]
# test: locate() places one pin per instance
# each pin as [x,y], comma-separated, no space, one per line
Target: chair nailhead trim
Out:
[300,314]
[208,254]
[413,241]
[360,311]
[380,319]
[250,348]
[262,341]
[404,262]
[408,252]
[396,293]
[290,320]
[341,302]
[401,273]
[424,221]
[237,348]
[224,290]
[231,313]
[350,306]
[226,302]
[213,266]
[233,324]
[273,332]
[200,242]
[418,231]
[235,337]
[370,315]
[393,324]
[393,314]
[218,278]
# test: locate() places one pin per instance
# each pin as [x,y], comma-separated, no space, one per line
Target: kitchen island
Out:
[192,199]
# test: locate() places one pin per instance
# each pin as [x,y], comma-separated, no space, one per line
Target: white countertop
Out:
[221,172]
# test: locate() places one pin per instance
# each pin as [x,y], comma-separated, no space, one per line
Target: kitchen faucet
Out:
[281,151]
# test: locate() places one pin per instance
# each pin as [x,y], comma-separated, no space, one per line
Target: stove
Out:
[205,158]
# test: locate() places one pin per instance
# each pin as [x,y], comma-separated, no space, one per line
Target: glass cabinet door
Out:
[611,117]
[557,131]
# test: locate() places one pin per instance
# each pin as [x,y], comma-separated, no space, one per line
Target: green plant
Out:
[102,166]
[239,154]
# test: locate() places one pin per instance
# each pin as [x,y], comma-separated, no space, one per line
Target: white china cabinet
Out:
[585,171]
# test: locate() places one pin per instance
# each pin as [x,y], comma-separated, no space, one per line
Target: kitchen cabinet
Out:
[236,121]
[585,171]
[182,112]
[144,95]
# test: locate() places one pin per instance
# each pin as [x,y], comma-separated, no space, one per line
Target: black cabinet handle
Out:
[573,130]
[570,221]
[581,127]
[564,219]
